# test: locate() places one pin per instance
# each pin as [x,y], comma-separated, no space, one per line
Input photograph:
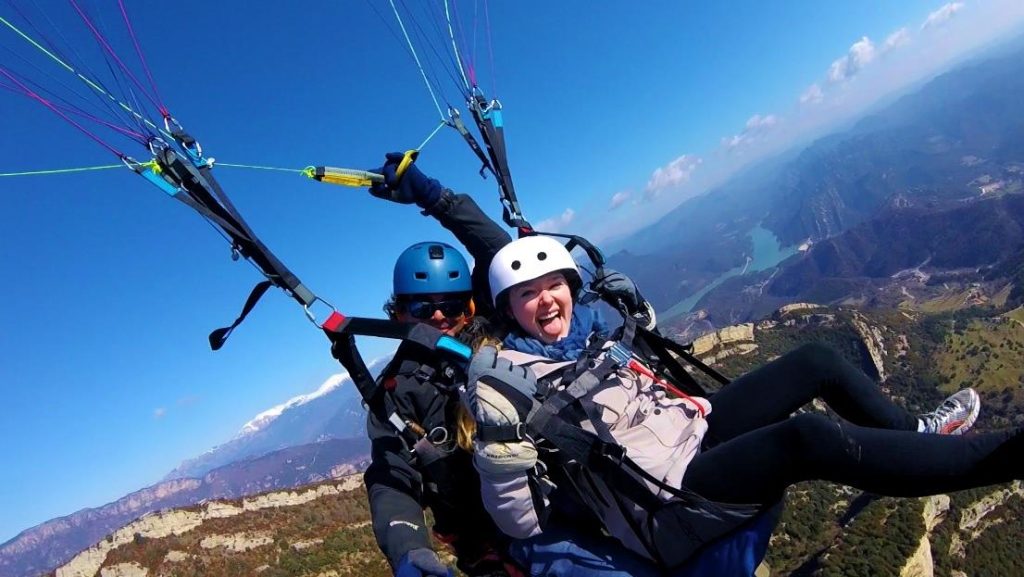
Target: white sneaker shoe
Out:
[955,416]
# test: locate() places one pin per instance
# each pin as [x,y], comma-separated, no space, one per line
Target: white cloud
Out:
[812,95]
[556,224]
[756,125]
[675,173]
[159,413]
[898,38]
[942,15]
[757,122]
[619,199]
[860,55]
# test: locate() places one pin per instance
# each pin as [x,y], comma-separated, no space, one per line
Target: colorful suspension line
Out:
[62,170]
[85,79]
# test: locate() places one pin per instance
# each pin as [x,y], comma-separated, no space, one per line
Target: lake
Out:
[768,252]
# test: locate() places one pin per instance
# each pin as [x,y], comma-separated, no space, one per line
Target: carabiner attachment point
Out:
[312,317]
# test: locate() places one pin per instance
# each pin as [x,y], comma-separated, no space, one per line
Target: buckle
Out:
[620,354]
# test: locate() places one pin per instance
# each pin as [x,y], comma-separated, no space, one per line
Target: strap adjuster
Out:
[500,433]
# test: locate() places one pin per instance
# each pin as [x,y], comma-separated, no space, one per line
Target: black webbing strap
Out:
[204,194]
[499,433]
[663,348]
[344,349]
[267,261]
[494,139]
[219,336]
[471,141]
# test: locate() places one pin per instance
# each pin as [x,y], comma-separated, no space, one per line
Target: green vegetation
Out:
[826,530]
[987,354]
[329,534]
[878,541]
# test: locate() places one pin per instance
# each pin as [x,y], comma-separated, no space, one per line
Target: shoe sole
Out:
[962,426]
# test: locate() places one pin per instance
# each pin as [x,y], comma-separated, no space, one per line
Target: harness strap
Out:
[219,336]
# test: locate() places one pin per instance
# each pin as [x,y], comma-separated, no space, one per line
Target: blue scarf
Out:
[585,323]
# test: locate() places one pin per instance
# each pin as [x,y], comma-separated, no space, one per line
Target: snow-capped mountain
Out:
[333,411]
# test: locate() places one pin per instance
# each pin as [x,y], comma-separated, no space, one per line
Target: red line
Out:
[636,366]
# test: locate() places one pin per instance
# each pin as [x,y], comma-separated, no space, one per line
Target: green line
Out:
[87,168]
[83,78]
[61,170]
[260,167]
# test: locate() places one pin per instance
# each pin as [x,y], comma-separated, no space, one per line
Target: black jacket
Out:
[399,487]
[481,236]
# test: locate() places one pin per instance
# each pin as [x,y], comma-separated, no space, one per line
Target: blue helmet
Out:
[431,267]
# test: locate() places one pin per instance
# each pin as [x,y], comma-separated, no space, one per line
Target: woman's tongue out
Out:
[552,324]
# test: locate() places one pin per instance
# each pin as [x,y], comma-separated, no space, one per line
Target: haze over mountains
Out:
[958,140]
[930,184]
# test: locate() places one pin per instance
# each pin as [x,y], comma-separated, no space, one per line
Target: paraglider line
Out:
[62,170]
[50,105]
[105,45]
[300,171]
[455,47]
[490,50]
[83,78]
[416,57]
[448,63]
[68,106]
[432,134]
[115,111]
[470,65]
[142,59]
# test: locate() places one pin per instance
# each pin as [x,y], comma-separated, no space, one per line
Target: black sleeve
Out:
[481,236]
[394,488]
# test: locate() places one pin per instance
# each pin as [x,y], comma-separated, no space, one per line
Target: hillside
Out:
[946,147]
[53,543]
[322,530]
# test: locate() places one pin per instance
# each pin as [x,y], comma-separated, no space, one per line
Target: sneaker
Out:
[954,416]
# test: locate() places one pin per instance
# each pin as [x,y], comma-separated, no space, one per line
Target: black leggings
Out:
[754,449]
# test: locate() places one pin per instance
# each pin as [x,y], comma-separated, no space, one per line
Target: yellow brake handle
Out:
[358,178]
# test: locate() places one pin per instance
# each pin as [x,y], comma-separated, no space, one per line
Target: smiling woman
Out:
[537,290]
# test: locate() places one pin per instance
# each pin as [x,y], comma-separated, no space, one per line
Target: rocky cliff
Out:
[46,546]
[177,522]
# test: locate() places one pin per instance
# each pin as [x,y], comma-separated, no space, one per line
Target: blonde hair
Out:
[465,424]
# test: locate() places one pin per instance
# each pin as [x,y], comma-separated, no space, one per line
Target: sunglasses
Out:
[423,310]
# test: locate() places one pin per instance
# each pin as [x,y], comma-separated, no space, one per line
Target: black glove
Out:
[422,562]
[412,187]
[618,290]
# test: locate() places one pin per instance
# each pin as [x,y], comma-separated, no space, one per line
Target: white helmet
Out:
[526,259]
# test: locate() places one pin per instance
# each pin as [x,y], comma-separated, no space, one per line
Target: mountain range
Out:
[957,140]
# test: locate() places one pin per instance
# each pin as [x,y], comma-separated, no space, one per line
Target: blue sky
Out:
[615,112]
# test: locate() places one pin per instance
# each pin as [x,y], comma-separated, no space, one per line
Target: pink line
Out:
[28,92]
[103,42]
[490,50]
[142,59]
[141,138]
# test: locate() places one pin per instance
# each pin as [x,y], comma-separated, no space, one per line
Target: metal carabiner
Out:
[311,316]
[157,145]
